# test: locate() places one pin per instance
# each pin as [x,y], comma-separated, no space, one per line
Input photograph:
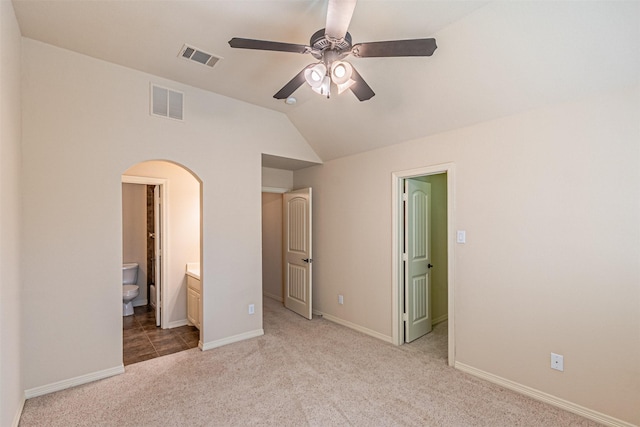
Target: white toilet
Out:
[129,288]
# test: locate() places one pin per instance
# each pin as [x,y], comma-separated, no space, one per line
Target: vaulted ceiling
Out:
[493,59]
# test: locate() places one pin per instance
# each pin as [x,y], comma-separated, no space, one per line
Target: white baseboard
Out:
[177,324]
[544,397]
[358,328]
[72,382]
[439,319]
[16,418]
[273,296]
[230,340]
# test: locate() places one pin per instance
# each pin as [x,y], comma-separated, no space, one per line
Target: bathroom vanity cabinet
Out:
[194,289]
[194,299]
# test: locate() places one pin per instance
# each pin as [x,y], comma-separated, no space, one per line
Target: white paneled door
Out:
[417,287]
[297,251]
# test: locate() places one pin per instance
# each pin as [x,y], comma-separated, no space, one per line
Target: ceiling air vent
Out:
[194,54]
[166,102]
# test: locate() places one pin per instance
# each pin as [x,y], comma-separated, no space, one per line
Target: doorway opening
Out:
[162,233]
[422,262]
[144,237]
[272,278]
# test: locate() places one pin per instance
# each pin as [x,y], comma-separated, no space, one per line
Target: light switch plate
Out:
[461,236]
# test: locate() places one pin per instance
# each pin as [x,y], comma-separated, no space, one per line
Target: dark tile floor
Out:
[142,340]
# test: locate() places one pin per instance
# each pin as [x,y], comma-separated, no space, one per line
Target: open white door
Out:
[296,227]
[157,250]
[417,286]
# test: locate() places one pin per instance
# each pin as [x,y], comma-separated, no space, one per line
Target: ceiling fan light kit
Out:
[344,86]
[330,46]
[314,75]
[341,71]
[325,88]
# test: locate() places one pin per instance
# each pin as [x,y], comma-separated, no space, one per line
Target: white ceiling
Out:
[493,59]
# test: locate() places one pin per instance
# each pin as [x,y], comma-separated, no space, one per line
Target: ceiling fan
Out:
[330,46]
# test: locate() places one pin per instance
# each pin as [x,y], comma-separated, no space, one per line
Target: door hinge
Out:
[405,257]
[405,317]
[405,197]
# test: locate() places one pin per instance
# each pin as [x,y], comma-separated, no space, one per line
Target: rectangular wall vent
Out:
[167,103]
[201,57]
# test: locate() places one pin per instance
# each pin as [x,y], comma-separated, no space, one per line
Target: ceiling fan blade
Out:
[360,88]
[292,86]
[267,45]
[339,13]
[414,47]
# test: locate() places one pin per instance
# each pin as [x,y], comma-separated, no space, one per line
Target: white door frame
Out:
[164,250]
[397,219]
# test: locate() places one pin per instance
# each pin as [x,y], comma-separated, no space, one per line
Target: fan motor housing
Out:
[319,41]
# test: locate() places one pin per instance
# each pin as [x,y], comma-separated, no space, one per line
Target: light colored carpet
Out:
[300,373]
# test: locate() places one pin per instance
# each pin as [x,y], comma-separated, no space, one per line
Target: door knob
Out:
[307,260]
[429,265]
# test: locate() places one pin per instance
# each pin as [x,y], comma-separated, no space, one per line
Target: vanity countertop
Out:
[193,269]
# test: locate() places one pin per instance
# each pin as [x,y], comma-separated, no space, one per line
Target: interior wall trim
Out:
[544,397]
[273,296]
[177,324]
[72,382]
[440,319]
[358,328]
[278,190]
[16,418]
[230,340]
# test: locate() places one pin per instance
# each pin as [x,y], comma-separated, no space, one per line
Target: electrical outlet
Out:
[340,299]
[557,362]
[252,309]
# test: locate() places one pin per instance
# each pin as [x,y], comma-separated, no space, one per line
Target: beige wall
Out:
[551,260]
[277,178]
[85,122]
[272,245]
[134,234]
[11,395]
[183,226]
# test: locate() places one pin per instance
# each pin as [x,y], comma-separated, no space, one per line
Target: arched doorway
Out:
[162,233]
